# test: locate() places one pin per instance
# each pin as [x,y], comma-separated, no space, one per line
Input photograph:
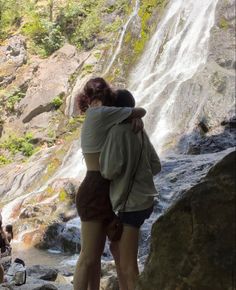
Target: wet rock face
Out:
[59,237]
[210,94]
[192,244]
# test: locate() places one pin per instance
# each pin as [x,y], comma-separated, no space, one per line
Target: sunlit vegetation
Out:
[49,24]
[21,145]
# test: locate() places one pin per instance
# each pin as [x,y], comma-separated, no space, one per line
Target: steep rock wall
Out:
[193,244]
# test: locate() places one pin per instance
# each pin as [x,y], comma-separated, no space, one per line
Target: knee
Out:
[129,271]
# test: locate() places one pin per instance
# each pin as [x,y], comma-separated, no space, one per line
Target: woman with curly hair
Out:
[92,200]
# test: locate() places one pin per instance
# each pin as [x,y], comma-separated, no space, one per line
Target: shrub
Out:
[35,29]
[53,40]
[44,34]
[70,17]
[57,102]
[85,35]
[19,144]
[4,160]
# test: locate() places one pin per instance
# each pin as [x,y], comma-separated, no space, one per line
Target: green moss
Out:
[51,133]
[146,11]
[115,26]
[128,37]
[63,195]
[88,69]
[97,54]
[4,160]
[224,24]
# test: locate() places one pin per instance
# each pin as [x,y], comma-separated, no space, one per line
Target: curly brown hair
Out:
[95,88]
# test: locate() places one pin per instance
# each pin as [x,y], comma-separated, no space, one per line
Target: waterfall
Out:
[124,28]
[175,53]
[177,50]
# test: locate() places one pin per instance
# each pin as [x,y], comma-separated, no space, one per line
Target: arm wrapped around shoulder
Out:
[137,113]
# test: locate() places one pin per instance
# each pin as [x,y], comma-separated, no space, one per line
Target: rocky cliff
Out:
[193,244]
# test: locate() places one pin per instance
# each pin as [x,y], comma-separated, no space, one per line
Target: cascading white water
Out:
[175,53]
[124,29]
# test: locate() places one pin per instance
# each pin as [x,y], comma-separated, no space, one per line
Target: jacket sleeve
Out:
[111,157]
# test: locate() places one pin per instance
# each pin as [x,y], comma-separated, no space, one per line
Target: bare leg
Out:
[87,272]
[114,248]
[128,247]
[1,274]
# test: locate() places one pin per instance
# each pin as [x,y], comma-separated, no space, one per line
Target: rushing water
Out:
[175,53]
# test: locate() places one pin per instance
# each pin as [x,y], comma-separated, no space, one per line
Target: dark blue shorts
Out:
[135,218]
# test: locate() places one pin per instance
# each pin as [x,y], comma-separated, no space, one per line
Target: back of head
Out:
[124,99]
[96,89]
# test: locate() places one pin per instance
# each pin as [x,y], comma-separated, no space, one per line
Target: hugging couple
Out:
[121,163]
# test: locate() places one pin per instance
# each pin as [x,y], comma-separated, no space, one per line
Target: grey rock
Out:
[12,56]
[46,287]
[42,272]
[49,79]
[192,245]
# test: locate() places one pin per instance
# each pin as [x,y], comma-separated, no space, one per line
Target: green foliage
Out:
[16,144]
[53,40]
[70,17]
[47,26]
[10,16]
[115,26]
[57,102]
[4,160]
[224,24]
[121,6]
[85,35]
[88,69]
[44,34]
[51,133]
[12,100]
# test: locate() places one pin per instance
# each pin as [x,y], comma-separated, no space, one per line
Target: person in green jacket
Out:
[130,161]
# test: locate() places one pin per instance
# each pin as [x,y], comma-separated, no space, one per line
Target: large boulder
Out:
[193,244]
[51,80]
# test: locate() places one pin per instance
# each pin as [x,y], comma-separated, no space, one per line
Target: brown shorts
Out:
[92,199]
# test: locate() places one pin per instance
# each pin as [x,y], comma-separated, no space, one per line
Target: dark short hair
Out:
[124,98]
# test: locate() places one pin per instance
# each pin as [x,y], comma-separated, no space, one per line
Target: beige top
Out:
[118,161]
[97,124]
